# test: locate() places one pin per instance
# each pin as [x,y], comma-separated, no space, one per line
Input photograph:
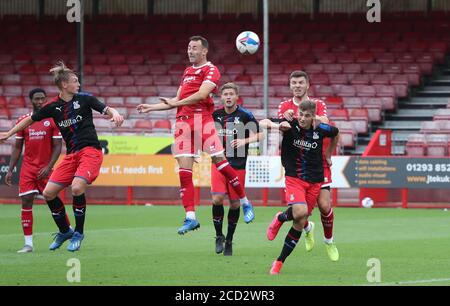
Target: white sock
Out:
[308,228]
[190,215]
[328,241]
[29,240]
[244,200]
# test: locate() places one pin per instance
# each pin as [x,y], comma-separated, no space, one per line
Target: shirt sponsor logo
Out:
[70,122]
[189,79]
[302,144]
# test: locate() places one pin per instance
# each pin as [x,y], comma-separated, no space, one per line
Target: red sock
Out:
[327,222]
[187,189]
[225,168]
[27,222]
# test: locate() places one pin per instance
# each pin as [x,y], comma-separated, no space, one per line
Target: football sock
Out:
[217,213]
[230,174]
[27,222]
[59,214]
[286,216]
[79,211]
[327,222]
[233,218]
[290,242]
[187,189]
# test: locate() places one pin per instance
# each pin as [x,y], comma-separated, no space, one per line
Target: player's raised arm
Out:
[147,108]
[205,90]
[17,128]
[268,124]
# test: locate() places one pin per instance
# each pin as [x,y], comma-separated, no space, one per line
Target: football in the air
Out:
[247,42]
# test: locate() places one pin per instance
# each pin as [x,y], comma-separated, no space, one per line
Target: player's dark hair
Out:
[308,106]
[35,91]
[61,73]
[299,74]
[205,43]
[230,85]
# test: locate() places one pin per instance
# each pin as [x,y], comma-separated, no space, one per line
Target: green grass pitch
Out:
[138,245]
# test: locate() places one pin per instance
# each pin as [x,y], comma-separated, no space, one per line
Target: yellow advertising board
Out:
[149,170]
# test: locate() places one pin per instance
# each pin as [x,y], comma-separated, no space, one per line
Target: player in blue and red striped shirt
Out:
[72,113]
[301,156]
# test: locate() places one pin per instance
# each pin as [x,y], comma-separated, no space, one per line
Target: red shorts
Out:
[196,133]
[84,164]
[326,177]
[301,192]
[28,182]
[220,185]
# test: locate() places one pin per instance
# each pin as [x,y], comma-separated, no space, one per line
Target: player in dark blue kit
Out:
[72,113]
[237,128]
[301,156]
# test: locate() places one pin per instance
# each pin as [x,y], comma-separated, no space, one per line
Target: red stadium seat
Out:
[4,113]
[16,102]
[135,59]
[165,80]
[326,58]
[115,101]
[401,91]
[278,79]
[380,79]
[158,69]
[283,92]
[116,59]
[352,68]
[5,124]
[319,79]
[385,58]
[10,79]
[12,90]
[88,80]
[101,69]
[372,68]
[360,119]
[139,70]
[430,127]
[323,91]
[133,101]
[352,102]
[148,91]
[385,91]
[360,79]
[314,68]
[344,90]
[162,126]
[120,70]
[94,90]
[365,91]
[333,102]
[105,80]
[129,91]
[416,145]
[19,112]
[338,115]
[124,80]
[392,68]
[365,58]
[143,125]
[333,68]
[143,80]
[110,91]
[27,69]
[338,79]
[437,145]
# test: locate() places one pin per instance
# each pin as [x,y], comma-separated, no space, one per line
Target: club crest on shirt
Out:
[76,105]
[47,123]
[316,135]
[236,120]
[292,198]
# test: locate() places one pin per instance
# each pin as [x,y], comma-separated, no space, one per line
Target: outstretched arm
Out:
[17,128]
[147,108]
[268,124]
[201,94]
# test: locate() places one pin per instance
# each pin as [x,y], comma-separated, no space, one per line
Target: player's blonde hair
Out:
[61,73]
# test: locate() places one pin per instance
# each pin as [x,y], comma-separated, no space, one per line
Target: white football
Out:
[247,42]
[367,202]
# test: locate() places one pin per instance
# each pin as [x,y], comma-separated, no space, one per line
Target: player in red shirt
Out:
[72,113]
[299,84]
[195,129]
[42,142]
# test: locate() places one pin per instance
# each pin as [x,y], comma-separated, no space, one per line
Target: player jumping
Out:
[299,84]
[195,130]
[301,156]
